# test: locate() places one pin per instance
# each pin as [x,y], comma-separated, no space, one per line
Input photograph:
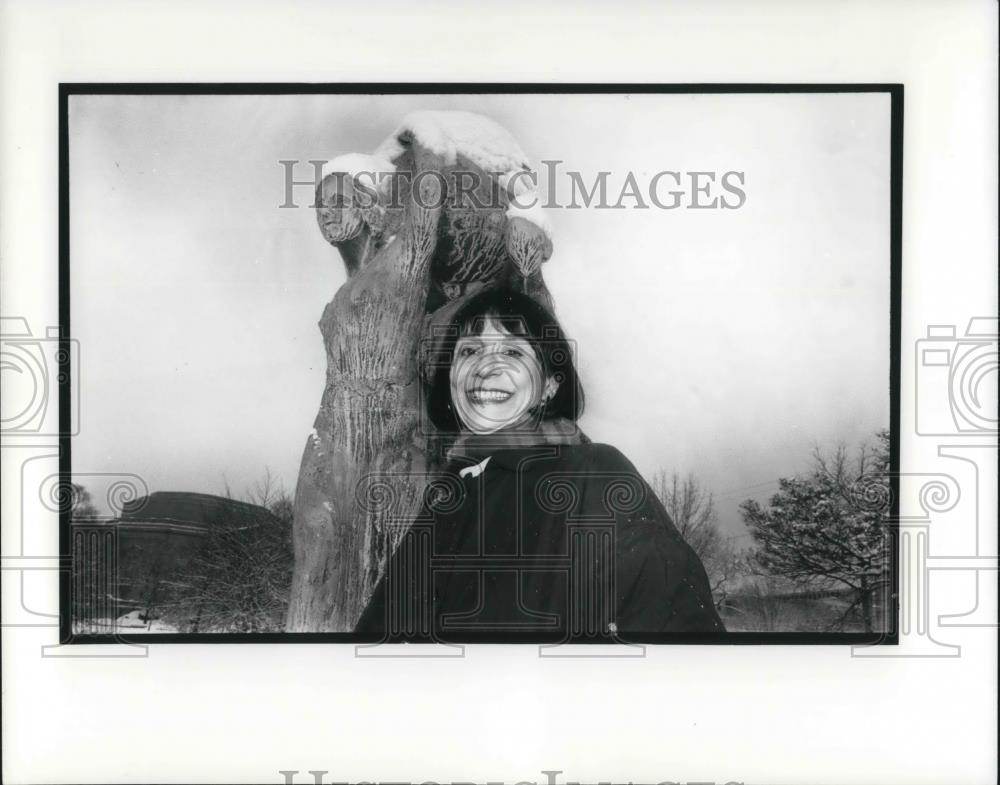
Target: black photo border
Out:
[67,89]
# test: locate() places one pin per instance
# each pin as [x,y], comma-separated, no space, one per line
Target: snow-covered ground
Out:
[130,622]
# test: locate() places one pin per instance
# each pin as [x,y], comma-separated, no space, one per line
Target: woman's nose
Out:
[488,369]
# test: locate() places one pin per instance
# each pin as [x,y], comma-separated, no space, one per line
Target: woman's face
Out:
[496,378]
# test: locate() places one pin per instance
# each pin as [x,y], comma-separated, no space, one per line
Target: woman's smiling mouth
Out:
[489,395]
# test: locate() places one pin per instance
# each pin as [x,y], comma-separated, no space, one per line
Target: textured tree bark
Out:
[367,418]
[365,468]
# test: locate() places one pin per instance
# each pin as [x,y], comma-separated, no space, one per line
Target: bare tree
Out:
[241,577]
[726,565]
[83,507]
[266,492]
[830,526]
[692,509]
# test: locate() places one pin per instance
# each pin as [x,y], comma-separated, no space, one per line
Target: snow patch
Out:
[448,133]
[372,170]
[134,621]
[519,184]
[451,133]
[534,213]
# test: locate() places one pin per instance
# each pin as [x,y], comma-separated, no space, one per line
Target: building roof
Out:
[198,509]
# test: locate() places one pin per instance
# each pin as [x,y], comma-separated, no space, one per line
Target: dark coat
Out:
[541,543]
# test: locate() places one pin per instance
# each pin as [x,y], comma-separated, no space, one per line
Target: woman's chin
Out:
[493,424]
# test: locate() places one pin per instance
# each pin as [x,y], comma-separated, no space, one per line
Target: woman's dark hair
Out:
[520,315]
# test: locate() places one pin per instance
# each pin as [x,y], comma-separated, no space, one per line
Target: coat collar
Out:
[471,448]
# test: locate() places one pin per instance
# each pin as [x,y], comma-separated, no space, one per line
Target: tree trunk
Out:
[367,419]
[365,468]
[866,603]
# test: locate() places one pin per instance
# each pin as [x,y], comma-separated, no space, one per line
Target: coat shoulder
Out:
[604,457]
[662,585]
[614,475]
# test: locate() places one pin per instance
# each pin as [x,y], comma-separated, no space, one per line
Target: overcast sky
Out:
[720,342]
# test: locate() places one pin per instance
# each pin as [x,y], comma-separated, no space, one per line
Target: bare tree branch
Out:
[819,527]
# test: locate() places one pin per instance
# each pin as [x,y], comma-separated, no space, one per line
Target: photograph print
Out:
[384,364]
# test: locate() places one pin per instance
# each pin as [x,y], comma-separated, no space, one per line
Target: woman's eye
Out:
[512,352]
[466,351]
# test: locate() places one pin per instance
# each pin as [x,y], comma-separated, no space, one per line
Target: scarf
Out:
[479,445]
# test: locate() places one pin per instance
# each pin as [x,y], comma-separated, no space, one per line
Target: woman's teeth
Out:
[489,396]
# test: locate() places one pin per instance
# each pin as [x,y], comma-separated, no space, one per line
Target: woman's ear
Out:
[551,385]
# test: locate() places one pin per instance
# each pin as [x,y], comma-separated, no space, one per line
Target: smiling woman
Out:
[530,531]
[497,380]
[505,368]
